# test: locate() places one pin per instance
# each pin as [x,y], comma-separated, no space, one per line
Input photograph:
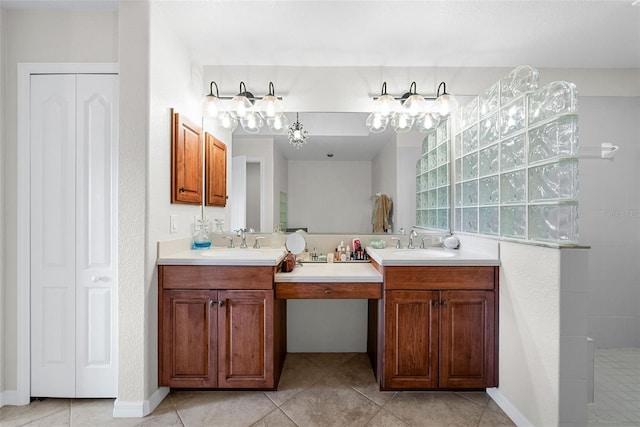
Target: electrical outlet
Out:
[173,224]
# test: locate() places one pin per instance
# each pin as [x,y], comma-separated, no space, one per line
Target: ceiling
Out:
[394,33]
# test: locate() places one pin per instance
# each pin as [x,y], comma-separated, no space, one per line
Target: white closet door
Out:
[74,129]
[96,230]
[238,200]
[53,235]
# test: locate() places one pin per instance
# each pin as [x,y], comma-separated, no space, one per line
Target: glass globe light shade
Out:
[386,105]
[377,123]
[426,123]
[402,122]
[278,124]
[212,106]
[269,106]
[252,123]
[444,105]
[414,105]
[227,121]
[240,106]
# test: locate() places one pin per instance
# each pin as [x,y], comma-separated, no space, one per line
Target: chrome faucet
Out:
[398,242]
[241,233]
[231,245]
[413,234]
[256,245]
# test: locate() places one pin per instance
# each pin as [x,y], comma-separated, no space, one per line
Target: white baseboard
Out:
[512,412]
[140,408]
[10,397]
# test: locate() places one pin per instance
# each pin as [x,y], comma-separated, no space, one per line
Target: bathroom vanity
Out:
[432,316]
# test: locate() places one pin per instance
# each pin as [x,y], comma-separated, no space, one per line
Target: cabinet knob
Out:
[444,303]
[211,303]
[436,304]
[220,303]
[327,291]
[181,189]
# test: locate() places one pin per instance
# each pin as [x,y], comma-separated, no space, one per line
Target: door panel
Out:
[96,262]
[189,339]
[245,323]
[73,195]
[411,339]
[467,334]
[53,234]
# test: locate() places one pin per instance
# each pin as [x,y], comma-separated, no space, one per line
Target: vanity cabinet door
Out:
[467,339]
[215,171]
[411,340]
[188,339]
[245,339]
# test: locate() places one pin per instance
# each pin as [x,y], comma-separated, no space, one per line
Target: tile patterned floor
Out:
[617,388]
[315,390]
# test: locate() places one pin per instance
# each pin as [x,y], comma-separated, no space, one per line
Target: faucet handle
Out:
[231,245]
[422,245]
[398,242]
[413,233]
[256,245]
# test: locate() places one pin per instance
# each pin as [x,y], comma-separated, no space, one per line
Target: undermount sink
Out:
[422,253]
[227,253]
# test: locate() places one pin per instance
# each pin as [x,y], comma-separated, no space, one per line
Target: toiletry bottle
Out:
[337,255]
[348,253]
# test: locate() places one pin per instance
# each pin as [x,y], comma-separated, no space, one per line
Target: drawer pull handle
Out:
[327,291]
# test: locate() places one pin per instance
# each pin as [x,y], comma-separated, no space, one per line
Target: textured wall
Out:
[530,330]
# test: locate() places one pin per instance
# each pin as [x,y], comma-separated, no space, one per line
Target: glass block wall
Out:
[515,167]
[515,161]
[433,209]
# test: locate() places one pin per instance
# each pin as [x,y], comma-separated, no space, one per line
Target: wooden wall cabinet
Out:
[227,336]
[186,161]
[215,171]
[439,328]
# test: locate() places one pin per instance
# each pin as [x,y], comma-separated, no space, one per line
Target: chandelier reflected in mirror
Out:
[297,134]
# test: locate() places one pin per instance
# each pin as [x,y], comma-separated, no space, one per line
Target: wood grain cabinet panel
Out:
[186,161]
[212,338]
[440,339]
[215,171]
[188,339]
[411,340]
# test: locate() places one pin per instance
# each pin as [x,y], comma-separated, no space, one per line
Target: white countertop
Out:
[224,256]
[431,257]
[331,272]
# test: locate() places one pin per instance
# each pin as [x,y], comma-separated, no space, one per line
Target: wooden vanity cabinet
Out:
[221,337]
[439,328]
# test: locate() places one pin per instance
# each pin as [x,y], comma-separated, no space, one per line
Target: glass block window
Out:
[433,180]
[515,161]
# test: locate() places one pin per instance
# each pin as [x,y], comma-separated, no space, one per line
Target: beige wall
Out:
[37,36]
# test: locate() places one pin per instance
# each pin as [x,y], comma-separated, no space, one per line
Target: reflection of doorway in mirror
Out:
[283,211]
[247,199]
[253,196]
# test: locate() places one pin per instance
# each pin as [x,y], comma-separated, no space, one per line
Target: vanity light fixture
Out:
[410,109]
[241,109]
[297,134]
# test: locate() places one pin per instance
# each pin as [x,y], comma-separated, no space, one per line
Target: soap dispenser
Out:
[201,234]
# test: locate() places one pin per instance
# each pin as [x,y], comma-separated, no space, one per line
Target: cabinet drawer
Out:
[215,277]
[440,278]
[328,290]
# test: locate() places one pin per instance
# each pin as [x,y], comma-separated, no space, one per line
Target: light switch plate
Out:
[173,223]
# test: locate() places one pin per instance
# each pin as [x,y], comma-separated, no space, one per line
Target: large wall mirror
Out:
[330,182]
